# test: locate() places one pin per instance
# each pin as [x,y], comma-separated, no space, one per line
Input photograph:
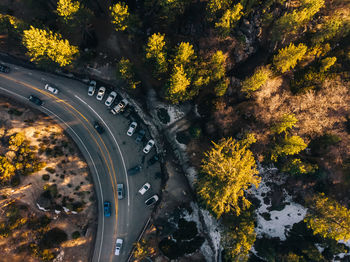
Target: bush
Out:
[170,248]
[46,177]
[163,115]
[195,132]
[187,230]
[50,170]
[75,234]
[320,145]
[182,137]
[53,238]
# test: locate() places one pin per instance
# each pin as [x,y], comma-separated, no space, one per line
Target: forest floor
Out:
[72,207]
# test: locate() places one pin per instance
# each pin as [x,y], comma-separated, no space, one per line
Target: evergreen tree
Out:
[229,19]
[120,16]
[328,218]
[178,84]
[238,238]
[156,53]
[227,170]
[217,73]
[327,63]
[297,167]
[256,81]
[46,45]
[67,8]
[287,121]
[288,57]
[290,145]
[184,54]
[125,71]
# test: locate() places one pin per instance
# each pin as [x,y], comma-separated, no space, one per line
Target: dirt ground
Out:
[64,168]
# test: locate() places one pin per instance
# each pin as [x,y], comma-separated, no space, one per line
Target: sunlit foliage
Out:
[67,8]
[43,45]
[288,57]
[120,15]
[227,170]
[256,81]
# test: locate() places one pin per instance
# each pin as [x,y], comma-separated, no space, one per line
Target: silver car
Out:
[120,191]
[51,89]
[131,129]
[144,188]
[148,146]
[92,88]
[110,99]
[100,93]
[118,246]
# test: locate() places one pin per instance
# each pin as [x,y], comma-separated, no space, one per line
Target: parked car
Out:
[118,246]
[148,146]
[120,107]
[98,127]
[153,160]
[110,99]
[152,200]
[144,188]
[51,89]
[131,129]
[100,93]
[140,136]
[5,69]
[36,100]
[120,191]
[134,170]
[92,88]
[107,208]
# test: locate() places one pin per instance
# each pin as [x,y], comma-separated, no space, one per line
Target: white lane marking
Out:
[16,68]
[92,161]
[115,141]
[30,73]
[43,79]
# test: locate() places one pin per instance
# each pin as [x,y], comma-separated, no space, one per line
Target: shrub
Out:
[195,132]
[46,177]
[163,115]
[75,234]
[50,170]
[170,248]
[53,238]
[182,137]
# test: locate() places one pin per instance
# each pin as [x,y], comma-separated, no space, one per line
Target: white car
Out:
[92,88]
[144,188]
[101,93]
[131,129]
[51,89]
[110,98]
[152,200]
[148,146]
[118,246]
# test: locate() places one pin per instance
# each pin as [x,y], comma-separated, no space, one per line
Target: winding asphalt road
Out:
[108,155]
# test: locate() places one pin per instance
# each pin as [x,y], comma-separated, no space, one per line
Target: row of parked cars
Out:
[110,98]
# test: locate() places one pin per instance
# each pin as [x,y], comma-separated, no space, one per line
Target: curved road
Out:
[108,155]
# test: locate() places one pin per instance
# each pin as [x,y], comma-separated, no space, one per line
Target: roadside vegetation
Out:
[270,82]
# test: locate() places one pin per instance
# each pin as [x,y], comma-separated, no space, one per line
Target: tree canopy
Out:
[156,52]
[227,169]
[120,15]
[288,57]
[178,83]
[67,8]
[256,81]
[287,121]
[328,218]
[46,45]
[289,145]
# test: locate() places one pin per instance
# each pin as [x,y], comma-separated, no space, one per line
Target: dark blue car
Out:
[107,208]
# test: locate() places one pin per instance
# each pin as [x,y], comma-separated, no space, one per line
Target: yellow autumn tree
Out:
[288,57]
[46,45]
[287,121]
[238,238]
[184,54]
[67,8]
[328,218]
[227,170]
[156,53]
[178,84]
[120,15]
[288,146]
[256,81]
[7,169]
[229,19]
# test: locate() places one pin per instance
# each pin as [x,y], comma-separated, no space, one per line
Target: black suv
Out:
[134,170]
[153,160]
[36,100]
[4,69]
[140,136]
[99,128]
